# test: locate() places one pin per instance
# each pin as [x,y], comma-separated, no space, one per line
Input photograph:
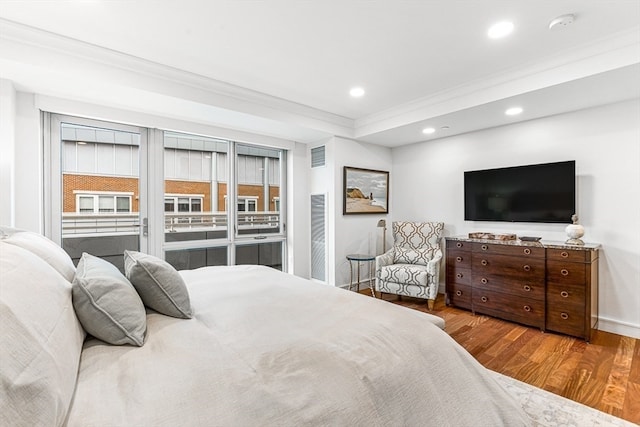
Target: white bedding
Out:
[269,349]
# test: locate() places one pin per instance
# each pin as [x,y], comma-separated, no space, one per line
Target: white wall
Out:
[356,233]
[21,160]
[298,212]
[7,148]
[427,183]
[28,167]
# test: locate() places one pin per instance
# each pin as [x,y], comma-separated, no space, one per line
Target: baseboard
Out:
[619,327]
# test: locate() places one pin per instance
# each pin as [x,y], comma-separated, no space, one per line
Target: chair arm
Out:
[384,259]
[433,266]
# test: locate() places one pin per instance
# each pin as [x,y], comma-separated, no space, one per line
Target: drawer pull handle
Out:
[564,294]
[484,281]
[527,251]
[484,299]
[565,316]
[527,308]
[459,259]
[459,275]
[458,293]
[459,244]
[527,288]
[484,262]
[564,272]
[564,254]
[484,247]
[527,268]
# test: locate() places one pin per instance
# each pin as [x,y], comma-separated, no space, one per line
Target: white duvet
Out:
[269,349]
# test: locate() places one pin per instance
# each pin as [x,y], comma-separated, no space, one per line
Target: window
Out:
[123,204]
[99,203]
[106,194]
[247,204]
[183,204]
[94,198]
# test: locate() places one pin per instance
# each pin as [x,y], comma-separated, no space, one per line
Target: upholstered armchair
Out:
[412,266]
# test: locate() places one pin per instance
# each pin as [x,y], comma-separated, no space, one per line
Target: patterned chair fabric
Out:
[412,266]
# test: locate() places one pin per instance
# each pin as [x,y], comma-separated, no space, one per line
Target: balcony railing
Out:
[129,223]
[89,223]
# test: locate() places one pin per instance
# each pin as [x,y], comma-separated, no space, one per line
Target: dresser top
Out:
[549,244]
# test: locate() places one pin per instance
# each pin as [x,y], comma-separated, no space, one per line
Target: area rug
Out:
[550,410]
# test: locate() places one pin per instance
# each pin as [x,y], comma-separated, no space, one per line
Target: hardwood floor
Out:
[603,374]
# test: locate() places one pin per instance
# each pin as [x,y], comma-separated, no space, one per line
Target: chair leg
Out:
[430,304]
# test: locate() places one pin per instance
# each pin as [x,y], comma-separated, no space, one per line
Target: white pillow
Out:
[40,340]
[53,254]
[106,303]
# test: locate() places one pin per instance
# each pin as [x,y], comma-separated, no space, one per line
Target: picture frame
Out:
[365,191]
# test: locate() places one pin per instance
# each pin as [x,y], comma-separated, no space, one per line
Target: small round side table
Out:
[359,258]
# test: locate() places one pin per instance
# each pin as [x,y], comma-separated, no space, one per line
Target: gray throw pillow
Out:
[106,304]
[159,284]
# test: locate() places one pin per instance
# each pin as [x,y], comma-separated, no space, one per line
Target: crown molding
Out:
[606,54]
[203,89]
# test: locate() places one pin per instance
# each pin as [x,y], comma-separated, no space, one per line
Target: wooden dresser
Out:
[546,285]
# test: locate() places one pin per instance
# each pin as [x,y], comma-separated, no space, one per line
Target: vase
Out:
[574,231]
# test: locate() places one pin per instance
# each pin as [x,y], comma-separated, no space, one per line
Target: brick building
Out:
[100,174]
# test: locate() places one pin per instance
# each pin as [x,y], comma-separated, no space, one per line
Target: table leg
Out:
[371,278]
[358,282]
[350,274]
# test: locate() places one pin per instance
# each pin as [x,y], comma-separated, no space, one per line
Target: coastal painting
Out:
[366,191]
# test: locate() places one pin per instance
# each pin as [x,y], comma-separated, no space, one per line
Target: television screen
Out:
[533,193]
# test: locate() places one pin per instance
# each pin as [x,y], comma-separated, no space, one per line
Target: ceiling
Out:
[284,68]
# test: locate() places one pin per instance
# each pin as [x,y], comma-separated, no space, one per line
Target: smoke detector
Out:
[561,21]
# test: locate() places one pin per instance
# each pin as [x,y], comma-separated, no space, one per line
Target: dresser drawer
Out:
[571,273]
[458,275]
[563,293]
[458,245]
[518,309]
[524,288]
[491,267]
[568,255]
[566,318]
[459,295]
[514,250]
[459,259]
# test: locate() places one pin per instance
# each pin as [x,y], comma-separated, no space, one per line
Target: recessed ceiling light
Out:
[445,128]
[356,92]
[513,111]
[500,29]
[428,131]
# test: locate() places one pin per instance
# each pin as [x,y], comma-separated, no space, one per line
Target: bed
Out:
[258,347]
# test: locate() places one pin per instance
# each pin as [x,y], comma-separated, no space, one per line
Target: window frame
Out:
[151,179]
[97,195]
[191,197]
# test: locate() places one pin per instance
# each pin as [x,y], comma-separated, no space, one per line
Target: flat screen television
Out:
[532,193]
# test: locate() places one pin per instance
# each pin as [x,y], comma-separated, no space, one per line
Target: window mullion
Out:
[232,204]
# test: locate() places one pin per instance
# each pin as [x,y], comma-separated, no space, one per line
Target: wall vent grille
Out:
[317,157]
[318,241]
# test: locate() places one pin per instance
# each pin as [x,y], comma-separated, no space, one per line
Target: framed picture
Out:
[366,191]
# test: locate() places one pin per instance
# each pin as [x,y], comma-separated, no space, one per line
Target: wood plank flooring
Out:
[603,374]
